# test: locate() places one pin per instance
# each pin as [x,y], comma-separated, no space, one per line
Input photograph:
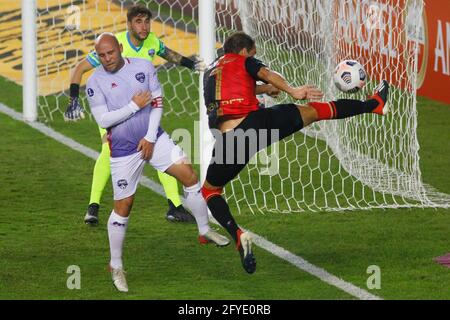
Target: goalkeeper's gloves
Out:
[74,111]
[197,65]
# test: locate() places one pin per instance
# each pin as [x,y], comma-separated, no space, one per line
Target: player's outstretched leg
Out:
[345,108]
[381,96]
[221,212]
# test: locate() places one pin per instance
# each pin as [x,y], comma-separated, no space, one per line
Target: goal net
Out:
[359,163]
[66,30]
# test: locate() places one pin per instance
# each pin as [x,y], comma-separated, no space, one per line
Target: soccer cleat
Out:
[213,237]
[91,216]
[179,214]
[244,246]
[381,96]
[119,280]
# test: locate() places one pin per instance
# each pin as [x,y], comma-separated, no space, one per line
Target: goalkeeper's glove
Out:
[199,64]
[74,111]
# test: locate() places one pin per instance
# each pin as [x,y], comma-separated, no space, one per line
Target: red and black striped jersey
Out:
[229,87]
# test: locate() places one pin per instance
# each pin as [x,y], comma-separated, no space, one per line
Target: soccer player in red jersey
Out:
[230,95]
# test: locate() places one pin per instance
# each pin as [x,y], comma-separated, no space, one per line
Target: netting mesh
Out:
[66,33]
[359,163]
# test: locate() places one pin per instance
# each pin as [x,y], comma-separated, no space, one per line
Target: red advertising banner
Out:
[435,70]
[383,36]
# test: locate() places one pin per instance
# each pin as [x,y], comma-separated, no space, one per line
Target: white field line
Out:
[278,251]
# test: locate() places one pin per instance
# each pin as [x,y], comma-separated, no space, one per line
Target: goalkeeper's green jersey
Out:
[150,47]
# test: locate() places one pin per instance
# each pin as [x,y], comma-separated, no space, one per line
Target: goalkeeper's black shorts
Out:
[234,149]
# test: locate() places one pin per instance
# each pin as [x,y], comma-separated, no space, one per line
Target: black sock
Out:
[221,212]
[346,108]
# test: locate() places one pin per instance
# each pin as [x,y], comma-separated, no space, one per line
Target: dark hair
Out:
[238,41]
[138,10]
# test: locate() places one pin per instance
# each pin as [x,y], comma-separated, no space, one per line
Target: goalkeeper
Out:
[229,91]
[137,42]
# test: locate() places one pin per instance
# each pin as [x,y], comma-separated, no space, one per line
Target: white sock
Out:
[117,227]
[197,205]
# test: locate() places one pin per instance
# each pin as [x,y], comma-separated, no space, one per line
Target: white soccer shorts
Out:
[126,171]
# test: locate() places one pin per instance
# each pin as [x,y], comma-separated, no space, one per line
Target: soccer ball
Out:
[349,76]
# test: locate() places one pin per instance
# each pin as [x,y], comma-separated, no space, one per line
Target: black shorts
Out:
[234,149]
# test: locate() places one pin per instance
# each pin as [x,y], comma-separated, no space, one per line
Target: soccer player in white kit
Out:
[125,97]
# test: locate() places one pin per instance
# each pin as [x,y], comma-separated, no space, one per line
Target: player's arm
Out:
[260,72]
[74,110]
[77,74]
[106,118]
[279,82]
[147,143]
[267,89]
[175,57]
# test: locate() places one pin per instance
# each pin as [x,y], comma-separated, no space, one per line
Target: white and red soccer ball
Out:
[349,76]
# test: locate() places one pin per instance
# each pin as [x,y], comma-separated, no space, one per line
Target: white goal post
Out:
[207,41]
[29,53]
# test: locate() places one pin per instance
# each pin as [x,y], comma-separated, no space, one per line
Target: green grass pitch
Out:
[45,189]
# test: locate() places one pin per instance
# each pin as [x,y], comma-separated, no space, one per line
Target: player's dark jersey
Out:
[229,87]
